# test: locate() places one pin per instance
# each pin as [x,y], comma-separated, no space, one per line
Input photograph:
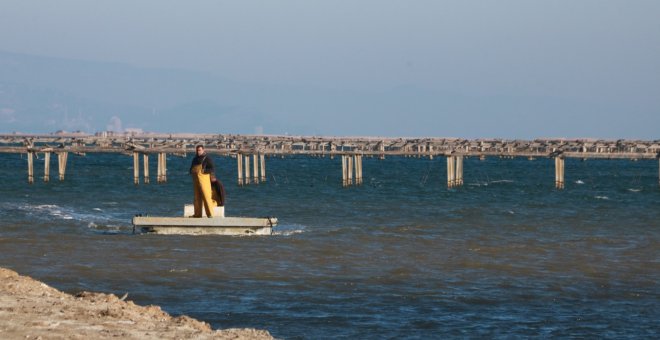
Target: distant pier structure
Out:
[250,151]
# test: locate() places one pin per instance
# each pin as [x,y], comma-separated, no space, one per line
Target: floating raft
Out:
[204,225]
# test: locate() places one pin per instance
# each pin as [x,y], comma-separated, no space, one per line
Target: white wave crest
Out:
[56,212]
[288,230]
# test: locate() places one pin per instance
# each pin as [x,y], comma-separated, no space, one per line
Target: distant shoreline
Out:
[228,144]
[180,135]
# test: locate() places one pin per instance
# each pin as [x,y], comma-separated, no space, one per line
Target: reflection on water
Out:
[400,256]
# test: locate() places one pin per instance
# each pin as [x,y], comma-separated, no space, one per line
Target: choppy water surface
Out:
[401,256]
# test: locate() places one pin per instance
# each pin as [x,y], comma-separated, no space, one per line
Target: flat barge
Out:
[218,225]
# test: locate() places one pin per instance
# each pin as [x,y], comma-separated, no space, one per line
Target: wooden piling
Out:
[462,168]
[459,171]
[451,171]
[454,171]
[159,168]
[263,167]
[61,163]
[356,165]
[239,162]
[164,167]
[136,168]
[344,174]
[247,170]
[46,166]
[358,169]
[559,172]
[382,150]
[361,178]
[146,168]
[453,175]
[449,159]
[30,160]
[350,170]
[255,157]
[354,168]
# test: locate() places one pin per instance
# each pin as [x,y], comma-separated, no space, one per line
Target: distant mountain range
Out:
[42,94]
[45,94]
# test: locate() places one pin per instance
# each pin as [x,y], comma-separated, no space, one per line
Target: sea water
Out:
[401,256]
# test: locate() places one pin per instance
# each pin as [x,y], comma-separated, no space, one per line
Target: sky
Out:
[602,54]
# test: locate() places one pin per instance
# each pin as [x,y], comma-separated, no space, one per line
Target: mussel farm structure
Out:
[250,151]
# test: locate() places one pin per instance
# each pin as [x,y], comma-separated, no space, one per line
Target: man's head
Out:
[200,150]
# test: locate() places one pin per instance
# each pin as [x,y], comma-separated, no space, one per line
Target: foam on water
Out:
[55,212]
[288,229]
[502,181]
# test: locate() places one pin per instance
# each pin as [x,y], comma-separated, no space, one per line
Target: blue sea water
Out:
[402,256]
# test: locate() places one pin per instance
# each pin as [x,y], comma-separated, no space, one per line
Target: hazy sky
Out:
[600,52]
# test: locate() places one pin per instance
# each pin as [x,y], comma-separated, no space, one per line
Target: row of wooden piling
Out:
[61,159]
[454,171]
[161,176]
[348,164]
[351,164]
[259,169]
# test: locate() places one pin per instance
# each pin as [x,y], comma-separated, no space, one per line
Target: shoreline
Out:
[30,309]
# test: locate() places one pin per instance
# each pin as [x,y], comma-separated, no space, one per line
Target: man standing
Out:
[202,170]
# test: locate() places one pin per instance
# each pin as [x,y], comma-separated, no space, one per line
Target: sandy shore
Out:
[30,309]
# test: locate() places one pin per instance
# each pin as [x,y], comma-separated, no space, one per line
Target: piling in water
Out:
[344,174]
[350,170]
[30,160]
[163,174]
[239,163]
[61,163]
[159,168]
[146,168]
[255,157]
[263,167]
[451,171]
[454,171]
[358,169]
[46,166]
[136,168]
[559,172]
[247,170]
[459,171]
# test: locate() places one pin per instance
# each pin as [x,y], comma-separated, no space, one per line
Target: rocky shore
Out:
[30,309]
